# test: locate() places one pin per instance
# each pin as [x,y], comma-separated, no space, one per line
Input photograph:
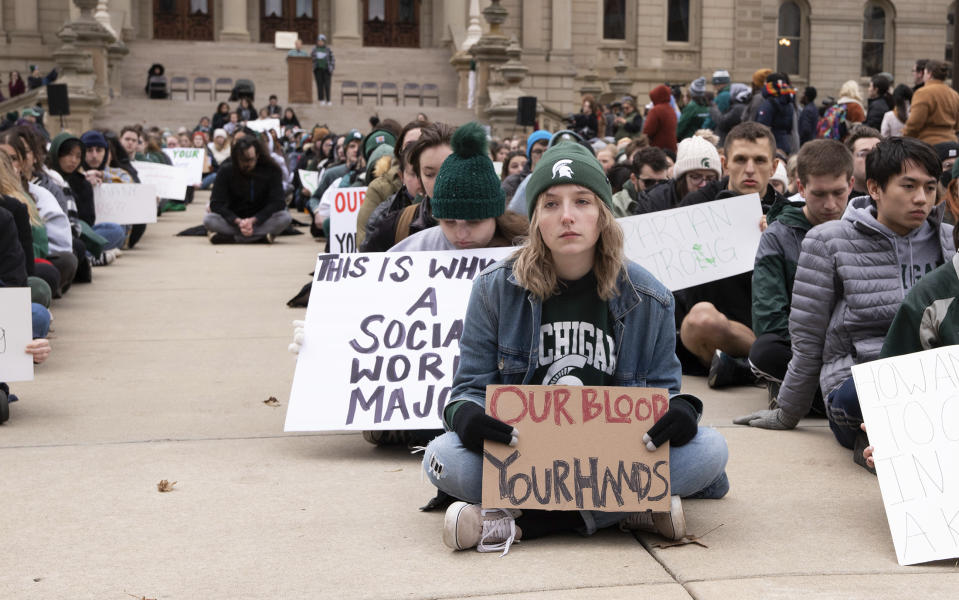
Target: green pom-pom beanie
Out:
[467,186]
[568,162]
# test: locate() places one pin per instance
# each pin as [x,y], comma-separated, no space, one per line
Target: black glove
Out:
[473,425]
[678,425]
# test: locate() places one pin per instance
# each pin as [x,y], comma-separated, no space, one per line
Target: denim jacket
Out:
[500,341]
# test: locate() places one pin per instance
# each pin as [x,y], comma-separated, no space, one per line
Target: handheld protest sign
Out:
[16,331]
[910,405]
[381,340]
[264,125]
[696,244]
[125,203]
[310,180]
[579,448]
[346,207]
[170,181]
[188,159]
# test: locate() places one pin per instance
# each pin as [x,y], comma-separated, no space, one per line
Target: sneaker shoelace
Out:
[503,528]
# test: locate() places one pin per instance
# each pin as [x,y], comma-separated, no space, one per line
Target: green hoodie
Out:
[775,270]
[929,316]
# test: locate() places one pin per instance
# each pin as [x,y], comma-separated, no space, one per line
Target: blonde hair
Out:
[10,185]
[535,270]
[851,89]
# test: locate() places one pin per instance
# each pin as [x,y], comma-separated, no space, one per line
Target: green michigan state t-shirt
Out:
[576,345]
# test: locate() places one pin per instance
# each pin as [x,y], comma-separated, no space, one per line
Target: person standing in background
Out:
[323,65]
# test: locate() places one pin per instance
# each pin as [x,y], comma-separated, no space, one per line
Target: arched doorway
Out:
[183,20]
[288,15]
[394,23]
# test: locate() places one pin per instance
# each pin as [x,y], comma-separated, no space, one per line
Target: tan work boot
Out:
[671,525]
[470,526]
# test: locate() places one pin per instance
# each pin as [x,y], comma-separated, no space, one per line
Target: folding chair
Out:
[389,90]
[370,88]
[202,85]
[224,85]
[431,91]
[349,88]
[180,84]
[412,90]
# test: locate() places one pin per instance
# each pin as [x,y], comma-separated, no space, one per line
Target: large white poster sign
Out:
[310,180]
[263,125]
[910,405]
[170,182]
[125,203]
[189,159]
[381,341]
[696,244]
[16,331]
[345,207]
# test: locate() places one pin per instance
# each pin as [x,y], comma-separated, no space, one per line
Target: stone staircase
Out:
[266,67]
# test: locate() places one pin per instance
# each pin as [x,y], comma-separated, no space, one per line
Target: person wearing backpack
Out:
[840,118]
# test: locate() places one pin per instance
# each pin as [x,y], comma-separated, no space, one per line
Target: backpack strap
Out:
[404,222]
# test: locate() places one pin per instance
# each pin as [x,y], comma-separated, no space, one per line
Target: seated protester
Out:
[648,169]
[572,267]
[221,117]
[697,165]
[853,274]
[247,201]
[245,110]
[695,112]
[382,187]
[203,125]
[780,179]
[401,220]
[52,234]
[467,202]
[66,156]
[96,160]
[517,203]
[513,164]
[232,123]
[263,114]
[352,162]
[536,145]
[317,154]
[825,176]
[364,169]
[130,141]
[153,152]
[208,174]
[219,151]
[860,141]
[410,193]
[714,319]
[273,109]
[289,119]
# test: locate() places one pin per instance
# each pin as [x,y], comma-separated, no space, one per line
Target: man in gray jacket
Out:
[852,276]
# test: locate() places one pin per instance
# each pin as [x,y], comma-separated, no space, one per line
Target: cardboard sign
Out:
[16,331]
[346,206]
[263,125]
[170,182]
[381,341]
[189,159]
[579,448]
[696,244]
[125,203]
[910,405]
[310,180]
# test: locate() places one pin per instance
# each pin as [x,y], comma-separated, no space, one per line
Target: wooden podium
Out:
[299,70]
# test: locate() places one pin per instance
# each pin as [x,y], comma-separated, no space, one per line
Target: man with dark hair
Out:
[852,276]
[273,109]
[648,169]
[934,114]
[630,123]
[918,74]
[862,139]
[825,170]
[714,319]
[247,201]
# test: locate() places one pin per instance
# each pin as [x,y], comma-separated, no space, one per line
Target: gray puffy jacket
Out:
[847,291]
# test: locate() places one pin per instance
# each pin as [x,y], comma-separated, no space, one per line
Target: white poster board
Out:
[189,159]
[310,180]
[910,405]
[381,341]
[285,40]
[16,331]
[125,203]
[263,125]
[687,246]
[345,206]
[170,182]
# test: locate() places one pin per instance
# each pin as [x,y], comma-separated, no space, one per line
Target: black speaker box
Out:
[526,111]
[58,103]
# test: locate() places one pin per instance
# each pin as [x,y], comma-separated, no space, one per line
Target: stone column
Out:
[234,22]
[346,23]
[26,22]
[489,52]
[127,31]
[103,17]
[93,39]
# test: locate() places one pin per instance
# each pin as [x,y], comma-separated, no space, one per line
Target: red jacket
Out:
[661,121]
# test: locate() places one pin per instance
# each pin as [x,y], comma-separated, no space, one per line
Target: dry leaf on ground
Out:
[689,539]
[165,486]
[271,401]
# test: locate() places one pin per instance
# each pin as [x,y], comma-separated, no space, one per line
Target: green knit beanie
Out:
[567,162]
[467,186]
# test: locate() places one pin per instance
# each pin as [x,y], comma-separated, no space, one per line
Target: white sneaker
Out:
[487,530]
[671,525]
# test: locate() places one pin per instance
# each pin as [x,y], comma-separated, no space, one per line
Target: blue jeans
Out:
[844,413]
[114,234]
[41,320]
[208,180]
[696,470]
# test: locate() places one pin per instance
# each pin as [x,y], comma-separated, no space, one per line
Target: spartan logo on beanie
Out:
[562,169]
